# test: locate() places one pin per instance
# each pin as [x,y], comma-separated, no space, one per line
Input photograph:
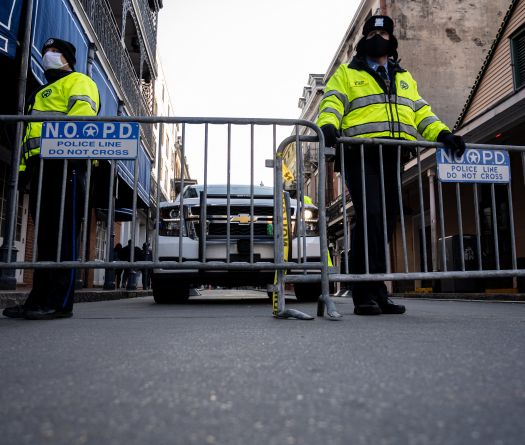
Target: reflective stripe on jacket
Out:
[356,102]
[72,95]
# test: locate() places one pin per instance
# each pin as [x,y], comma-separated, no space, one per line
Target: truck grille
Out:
[222,210]
[260,230]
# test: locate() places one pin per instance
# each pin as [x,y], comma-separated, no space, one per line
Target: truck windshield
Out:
[193,191]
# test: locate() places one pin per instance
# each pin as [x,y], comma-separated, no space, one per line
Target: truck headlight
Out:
[170,223]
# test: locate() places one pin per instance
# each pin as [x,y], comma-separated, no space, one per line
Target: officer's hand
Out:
[330,134]
[452,142]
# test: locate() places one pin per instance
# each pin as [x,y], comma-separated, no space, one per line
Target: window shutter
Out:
[518,44]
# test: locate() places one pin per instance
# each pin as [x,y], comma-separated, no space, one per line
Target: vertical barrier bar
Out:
[442,227]
[478,226]
[401,210]
[383,208]
[299,216]
[38,207]
[62,205]
[228,194]
[512,229]
[433,219]
[157,222]
[278,221]
[422,209]
[252,211]
[134,220]
[324,299]
[363,194]
[494,224]
[12,201]
[83,242]
[182,222]
[460,226]
[109,246]
[346,244]
[204,206]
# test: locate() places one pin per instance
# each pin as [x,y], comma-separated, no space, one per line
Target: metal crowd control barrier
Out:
[491,225]
[300,267]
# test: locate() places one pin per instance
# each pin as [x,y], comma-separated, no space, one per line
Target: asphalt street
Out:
[221,370]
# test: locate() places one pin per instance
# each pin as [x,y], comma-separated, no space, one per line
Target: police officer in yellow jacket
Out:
[374,97]
[67,93]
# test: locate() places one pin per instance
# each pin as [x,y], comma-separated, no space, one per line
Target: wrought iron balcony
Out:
[102,20]
[149,21]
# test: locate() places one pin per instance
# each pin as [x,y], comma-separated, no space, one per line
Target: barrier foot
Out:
[293,313]
[331,310]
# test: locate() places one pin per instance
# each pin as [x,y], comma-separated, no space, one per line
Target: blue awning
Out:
[55,18]
[10,11]
[126,171]
[108,96]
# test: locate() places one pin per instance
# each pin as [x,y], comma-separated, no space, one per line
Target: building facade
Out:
[115,44]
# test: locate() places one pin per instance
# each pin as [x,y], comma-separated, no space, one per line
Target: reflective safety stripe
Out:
[50,113]
[73,99]
[31,144]
[333,111]
[380,99]
[379,127]
[420,104]
[426,122]
[342,97]
[364,101]
[405,101]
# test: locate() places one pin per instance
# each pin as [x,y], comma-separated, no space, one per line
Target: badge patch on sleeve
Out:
[403,85]
[359,83]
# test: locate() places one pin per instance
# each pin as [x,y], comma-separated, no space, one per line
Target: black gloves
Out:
[452,142]
[330,134]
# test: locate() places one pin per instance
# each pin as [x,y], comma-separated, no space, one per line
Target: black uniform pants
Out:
[54,288]
[364,290]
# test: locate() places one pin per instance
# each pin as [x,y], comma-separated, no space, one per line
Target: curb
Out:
[508,298]
[11,298]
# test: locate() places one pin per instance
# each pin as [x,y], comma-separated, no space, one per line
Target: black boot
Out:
[17,311]
[45,313]
[385,303]
[365,306]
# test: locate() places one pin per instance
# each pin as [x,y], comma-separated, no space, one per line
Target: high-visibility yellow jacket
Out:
[73,95]
[356,101]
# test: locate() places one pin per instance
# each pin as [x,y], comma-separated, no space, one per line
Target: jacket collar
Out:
[360,64]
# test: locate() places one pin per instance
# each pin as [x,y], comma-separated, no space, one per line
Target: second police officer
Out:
[66,93]
[374,97]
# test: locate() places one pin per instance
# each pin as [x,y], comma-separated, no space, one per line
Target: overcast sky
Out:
[244,58]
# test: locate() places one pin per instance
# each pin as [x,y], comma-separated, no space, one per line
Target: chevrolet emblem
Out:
[243,219]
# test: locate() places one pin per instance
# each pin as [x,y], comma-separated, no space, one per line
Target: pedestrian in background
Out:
[147,256]
[66,93]
[374,97]
[125,254]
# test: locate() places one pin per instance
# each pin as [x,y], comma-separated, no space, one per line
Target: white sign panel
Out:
[90,140]
[482,166]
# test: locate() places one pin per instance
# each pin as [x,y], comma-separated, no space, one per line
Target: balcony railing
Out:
[149,20]
[103,23]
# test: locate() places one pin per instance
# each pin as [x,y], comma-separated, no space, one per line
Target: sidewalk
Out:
[12,297]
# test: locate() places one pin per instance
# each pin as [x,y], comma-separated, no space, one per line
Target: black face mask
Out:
[377,46]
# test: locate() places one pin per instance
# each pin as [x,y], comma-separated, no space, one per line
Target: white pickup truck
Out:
[210,243]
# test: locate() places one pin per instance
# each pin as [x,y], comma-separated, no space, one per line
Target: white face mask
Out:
[52,61]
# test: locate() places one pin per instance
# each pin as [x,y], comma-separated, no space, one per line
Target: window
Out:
[517,44]
[101,237]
